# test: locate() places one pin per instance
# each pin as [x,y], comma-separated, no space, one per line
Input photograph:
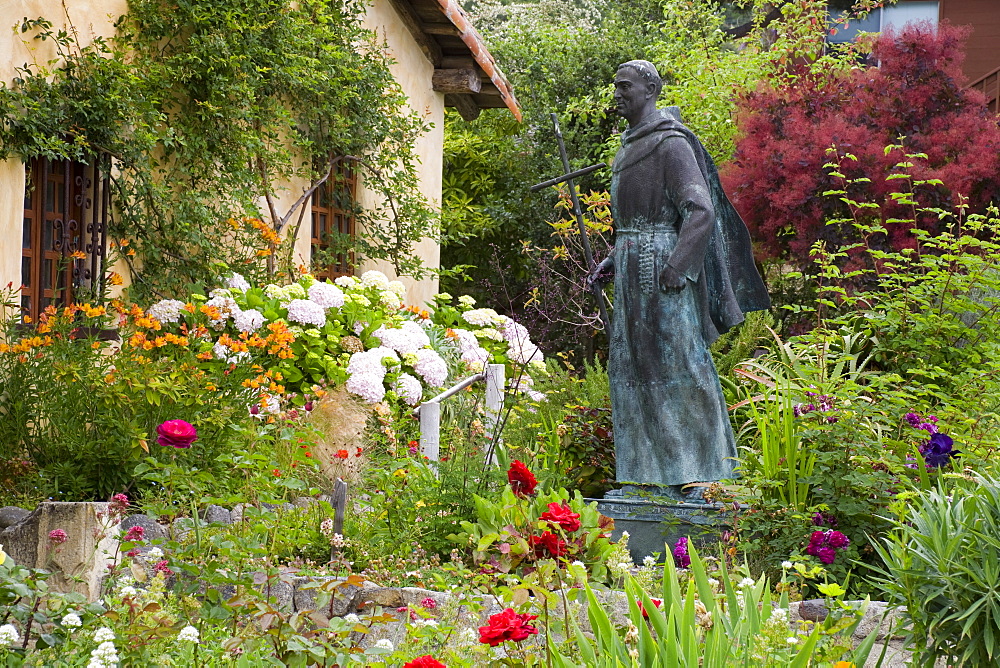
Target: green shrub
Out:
[942,562]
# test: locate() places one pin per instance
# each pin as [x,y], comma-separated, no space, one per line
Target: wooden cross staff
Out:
[588,254]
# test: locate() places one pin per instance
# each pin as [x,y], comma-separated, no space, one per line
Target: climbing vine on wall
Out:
[204,107]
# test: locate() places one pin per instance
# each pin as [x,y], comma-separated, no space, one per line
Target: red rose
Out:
[426,661]
[548,544]
[562,515]
[656,602]
[176,434]
[522,481]
[508,625]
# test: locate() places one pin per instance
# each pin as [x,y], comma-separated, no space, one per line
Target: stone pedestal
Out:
[80,563]
[654,527]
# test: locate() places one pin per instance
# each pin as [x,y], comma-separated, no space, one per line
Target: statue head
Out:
[637,86]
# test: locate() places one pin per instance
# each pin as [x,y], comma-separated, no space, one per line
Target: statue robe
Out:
[671,424]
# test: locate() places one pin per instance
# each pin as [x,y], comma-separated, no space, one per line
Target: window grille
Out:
[64,230]
[333,223]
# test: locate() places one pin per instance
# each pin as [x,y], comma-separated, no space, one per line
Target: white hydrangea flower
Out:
[8,635]
[407,338]
[154,553]
[166,310]
[326,295]
[367,386]
[390,300]
[398,288]
[346,281]
[358,299]
[537,396]
[306,312]
[103,634]
[466,301]
[384,643]
[374,279]
[248,321]
[431,367]
[285,294]
[514,332]
[524,352]
[188,634]
[351,618]
[238,282]
[481,317]
[71,621]
[409,389]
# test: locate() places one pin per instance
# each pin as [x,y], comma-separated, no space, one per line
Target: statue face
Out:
[632,93]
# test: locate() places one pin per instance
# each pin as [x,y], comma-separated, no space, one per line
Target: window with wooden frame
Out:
[332,216]
[63,236]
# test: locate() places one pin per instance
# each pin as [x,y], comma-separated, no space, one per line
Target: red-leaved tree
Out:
[777,178]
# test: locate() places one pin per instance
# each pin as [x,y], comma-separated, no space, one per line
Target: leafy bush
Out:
[951,599]
[777,178]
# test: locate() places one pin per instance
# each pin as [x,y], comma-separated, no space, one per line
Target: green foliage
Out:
[505,533]
[694,623]
[207,111]
[951,602]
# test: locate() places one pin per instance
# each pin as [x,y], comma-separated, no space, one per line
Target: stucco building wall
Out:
[95,18]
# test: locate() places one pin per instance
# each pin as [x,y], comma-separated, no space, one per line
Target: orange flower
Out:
[95,345]
[78,255]
[114,278]
[343,454]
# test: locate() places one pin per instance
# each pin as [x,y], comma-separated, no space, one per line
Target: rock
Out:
[11,515]
[304,502]
[813,610]
[386,597]
[414,596]
[79,563]
[308,590]
[214,514]
[153,530]
[280,587]
[236,514]
[181,527]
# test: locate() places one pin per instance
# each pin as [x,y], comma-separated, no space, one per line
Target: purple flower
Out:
[819,519]
[837,540]
[913,419]
[681,557]
[58,536]
[826,554]
[938,451]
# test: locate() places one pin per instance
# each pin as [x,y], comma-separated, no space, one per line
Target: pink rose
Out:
[176,434]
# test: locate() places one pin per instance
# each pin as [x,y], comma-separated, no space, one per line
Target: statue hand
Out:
[671,279]
[601,274]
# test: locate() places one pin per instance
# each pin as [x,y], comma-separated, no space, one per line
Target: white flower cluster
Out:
[166,310]
[374,279]
[385,644]
[431,367]
[482,317]
[71,621]
[306,312]
[103,634]
[221,352]
[8,635]
[105,656]
[409,389]
[520,349]
[237,282]
[188,634]
[154,553]
[326,295]
[407,338]
[248,321]
[222,300]
[397,287]
[346,282]
[351,618]
[367,372]
[472,353]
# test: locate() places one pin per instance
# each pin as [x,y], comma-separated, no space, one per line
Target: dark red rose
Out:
[563,516]
[176,434]
[426,661]
[547,545]
[656,602]
[522,481]
[508,625]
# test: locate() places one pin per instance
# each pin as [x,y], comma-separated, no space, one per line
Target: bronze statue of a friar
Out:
[683,274]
